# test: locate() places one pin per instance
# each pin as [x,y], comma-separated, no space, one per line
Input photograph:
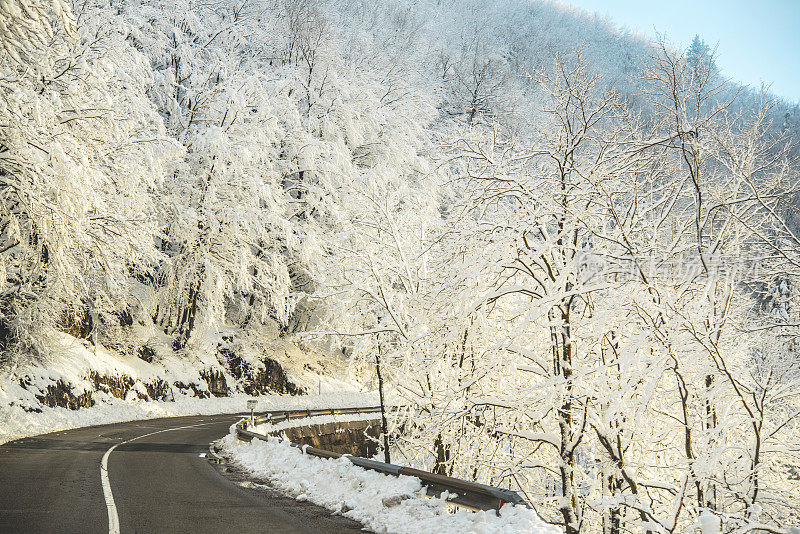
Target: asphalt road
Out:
[159,483]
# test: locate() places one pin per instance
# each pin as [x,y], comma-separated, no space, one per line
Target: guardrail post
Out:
[252,405]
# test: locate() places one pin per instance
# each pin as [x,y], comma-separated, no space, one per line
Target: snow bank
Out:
[381,503]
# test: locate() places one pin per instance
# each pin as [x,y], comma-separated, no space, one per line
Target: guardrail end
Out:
[212,455]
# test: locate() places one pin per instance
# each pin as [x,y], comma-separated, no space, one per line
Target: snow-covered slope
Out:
[86,385]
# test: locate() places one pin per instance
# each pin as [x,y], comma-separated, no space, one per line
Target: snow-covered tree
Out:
[604,365]
[81,149]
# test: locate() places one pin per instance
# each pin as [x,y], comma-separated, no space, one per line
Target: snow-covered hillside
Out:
[571,251]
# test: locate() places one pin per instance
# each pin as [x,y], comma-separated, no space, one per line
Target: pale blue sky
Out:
[756,40]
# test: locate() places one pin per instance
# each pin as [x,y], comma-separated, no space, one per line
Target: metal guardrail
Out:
[460,492]
[287,415]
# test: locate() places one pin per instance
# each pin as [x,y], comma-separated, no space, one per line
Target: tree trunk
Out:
[384,427]
[186,323]
[442,456]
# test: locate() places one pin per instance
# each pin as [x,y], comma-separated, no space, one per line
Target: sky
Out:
[756,40]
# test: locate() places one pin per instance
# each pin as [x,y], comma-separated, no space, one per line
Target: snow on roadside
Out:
[22,415]
[16,423]
[382,503]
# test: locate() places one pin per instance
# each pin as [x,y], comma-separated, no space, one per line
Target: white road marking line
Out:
[113,518]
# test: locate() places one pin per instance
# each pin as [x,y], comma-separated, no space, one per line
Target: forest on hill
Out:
[573,253]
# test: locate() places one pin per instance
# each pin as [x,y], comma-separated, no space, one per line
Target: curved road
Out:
[158,480]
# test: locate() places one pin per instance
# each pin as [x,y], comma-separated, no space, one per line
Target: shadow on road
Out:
[137,446]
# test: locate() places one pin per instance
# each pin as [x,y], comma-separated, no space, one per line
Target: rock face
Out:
[146,353]
[197,392]
[78,325]
[217,384]
[357,438]
[229,375]
[158,390]
[61,394]
[116,385]
[269,377]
